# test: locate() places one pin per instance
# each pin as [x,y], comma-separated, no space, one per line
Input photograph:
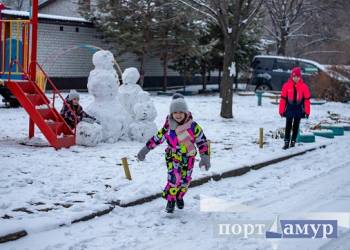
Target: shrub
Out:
[330,88]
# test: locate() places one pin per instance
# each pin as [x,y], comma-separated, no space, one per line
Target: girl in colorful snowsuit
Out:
[294,105]
[182,134]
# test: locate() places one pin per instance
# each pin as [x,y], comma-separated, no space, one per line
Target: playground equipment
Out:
[25,78]
[305,137]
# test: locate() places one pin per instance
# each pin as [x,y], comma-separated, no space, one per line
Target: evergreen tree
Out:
[176,35]
[128,24]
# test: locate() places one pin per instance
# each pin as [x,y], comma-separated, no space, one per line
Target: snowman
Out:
[139,105]
[143,127]
[129,90]
[103,85]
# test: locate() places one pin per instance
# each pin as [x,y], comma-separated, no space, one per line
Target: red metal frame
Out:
[54,88]
[28,93]
[56,91]
[34,22]
[50,128]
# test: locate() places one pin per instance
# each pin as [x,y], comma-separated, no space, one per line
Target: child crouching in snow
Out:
[181,134]
[73,101]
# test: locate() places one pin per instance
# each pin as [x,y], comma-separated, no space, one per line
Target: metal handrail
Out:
[55,90]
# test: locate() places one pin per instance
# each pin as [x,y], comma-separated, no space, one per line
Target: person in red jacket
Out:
[294,105]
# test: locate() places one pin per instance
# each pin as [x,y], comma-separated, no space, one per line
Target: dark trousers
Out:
[292,124]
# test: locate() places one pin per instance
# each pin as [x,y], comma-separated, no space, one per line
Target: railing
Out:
[54,89]
[14,46]
[57,92]
[41,79]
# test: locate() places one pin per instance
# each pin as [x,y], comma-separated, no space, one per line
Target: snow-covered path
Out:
[318,181]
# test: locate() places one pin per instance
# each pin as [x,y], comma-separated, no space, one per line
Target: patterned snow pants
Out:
[179,175]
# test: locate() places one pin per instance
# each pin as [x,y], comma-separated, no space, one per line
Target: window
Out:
[61,28]
[308,68]
[262,64]
[77,29]
[281,65]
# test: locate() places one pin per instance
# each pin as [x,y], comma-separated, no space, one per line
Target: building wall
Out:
[60,50]
[55,51]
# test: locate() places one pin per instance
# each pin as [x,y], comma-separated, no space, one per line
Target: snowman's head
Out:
[145,111]
[131,76]
[143,97]
[103,59]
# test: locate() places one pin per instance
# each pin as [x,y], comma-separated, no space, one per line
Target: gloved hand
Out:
[307,116]
[282,114]
[88,120]
[205,162]
[141,156]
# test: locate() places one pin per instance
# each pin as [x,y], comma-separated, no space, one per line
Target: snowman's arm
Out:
[86,115]
[200,139]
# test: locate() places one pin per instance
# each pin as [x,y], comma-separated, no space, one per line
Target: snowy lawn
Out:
[48,187]
[316,182]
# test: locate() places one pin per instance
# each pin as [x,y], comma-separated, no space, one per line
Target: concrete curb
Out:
[216,177]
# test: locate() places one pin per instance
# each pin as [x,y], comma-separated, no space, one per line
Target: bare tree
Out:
[129,25]
[294,19]
[233,17]
[329,33]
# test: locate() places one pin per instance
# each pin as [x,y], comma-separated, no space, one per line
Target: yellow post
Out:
[10,39]
[126,168]
[17,45]
[261,137]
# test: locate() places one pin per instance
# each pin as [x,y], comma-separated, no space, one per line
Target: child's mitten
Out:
[141,156]
[205,162]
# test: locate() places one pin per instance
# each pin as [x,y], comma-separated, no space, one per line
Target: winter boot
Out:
[286,145]
[180,203]
[170,206]
[292,144]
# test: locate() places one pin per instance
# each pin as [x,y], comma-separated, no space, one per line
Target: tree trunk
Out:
[236,77]
[184,76]
[219,82]
[204,79]
[209,77]
[227,80]
[142,71]
[281,50]
[165,71]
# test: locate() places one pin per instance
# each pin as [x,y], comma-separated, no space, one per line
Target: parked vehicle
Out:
[271,72]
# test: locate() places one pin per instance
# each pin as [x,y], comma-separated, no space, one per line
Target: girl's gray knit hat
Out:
[73,94]
[178,104]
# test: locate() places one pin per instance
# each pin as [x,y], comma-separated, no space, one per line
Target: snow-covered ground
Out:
[56,187]
[317,182]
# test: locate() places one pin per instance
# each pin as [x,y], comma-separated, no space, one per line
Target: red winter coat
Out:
[295,98]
